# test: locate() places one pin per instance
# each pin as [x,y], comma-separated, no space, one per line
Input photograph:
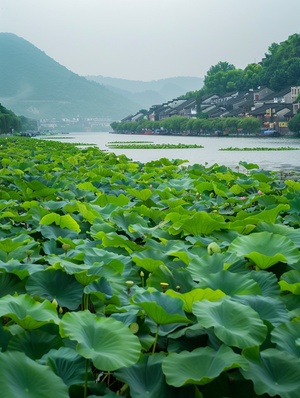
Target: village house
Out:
[273,109]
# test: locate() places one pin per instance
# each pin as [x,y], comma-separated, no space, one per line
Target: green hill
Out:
[150,92]
[34,85]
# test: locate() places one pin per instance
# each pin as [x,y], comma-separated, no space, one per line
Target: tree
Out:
[8,121]
[294,123]
[249,124]
[222,66]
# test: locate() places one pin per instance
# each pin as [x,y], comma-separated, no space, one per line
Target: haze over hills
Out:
[34,85]
[150,92]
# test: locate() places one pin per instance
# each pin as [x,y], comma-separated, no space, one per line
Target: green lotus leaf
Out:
[35,343]
[230,283]
[235,324]
[27,312]
[54,232]
[149,264]
[87,211]
[285,337]
[106,341]
[196,295]
[249,166]
[67,364]
[265,249]
[5,337]
[100,229]
[176,279]
[55,284]
[103,290]
[119,241]
[267,282]
[269,309]
[280,229]
[145,378]
[18,268]
[84,277]
[273,373]
[143,194]
[125,220]
[22,377]
[290,281]
[270,215]
[16,248]
[200,223]
[10,284]
[65,221]
[161,308]
[180,369]
[206,264]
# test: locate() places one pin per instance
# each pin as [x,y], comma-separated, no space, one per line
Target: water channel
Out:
[286,160]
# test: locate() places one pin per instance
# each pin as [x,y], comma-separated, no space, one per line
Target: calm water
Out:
[288,160]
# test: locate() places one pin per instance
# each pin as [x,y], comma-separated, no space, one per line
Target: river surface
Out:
[286,160]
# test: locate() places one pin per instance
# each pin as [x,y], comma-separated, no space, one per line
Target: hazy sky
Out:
[151,39]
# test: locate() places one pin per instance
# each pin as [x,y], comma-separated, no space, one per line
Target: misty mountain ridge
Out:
[34,85]
[148,93]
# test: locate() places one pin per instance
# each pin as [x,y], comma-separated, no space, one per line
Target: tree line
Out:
[197,126]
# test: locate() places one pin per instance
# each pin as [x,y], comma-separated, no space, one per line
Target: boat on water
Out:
[268,133]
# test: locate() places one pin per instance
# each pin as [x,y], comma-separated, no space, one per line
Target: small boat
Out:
[268,133]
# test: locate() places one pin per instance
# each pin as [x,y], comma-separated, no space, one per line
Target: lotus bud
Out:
[164,286]
[29,252]
[66,247]
[212,248]
[60,310]
[129,284]
[142,274]
[178,288]
[134,327]
[55,303]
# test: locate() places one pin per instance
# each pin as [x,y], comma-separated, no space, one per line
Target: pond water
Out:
[287,160]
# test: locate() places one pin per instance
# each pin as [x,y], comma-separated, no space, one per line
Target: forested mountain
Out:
[148,93]
[34,85]
[279,69]
[10,122]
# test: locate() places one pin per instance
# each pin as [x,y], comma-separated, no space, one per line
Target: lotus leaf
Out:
[27,312]
[233,323]
[269,309]
[107,342]
[55,284]
[21,377]
[145,378]
[65,221]
[67,364]
[265,249]
[35,343]
[161,308]
[273,373]
[290,281]
[230,283]
[196,295]
[200,366]
[285,336]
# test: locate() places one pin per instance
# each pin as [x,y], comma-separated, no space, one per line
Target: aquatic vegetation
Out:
[145,279]
[149,145]
[288,148]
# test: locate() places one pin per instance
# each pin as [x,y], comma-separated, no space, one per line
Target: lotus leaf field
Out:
[156,280]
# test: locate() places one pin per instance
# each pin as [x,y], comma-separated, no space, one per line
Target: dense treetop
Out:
[279,69]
